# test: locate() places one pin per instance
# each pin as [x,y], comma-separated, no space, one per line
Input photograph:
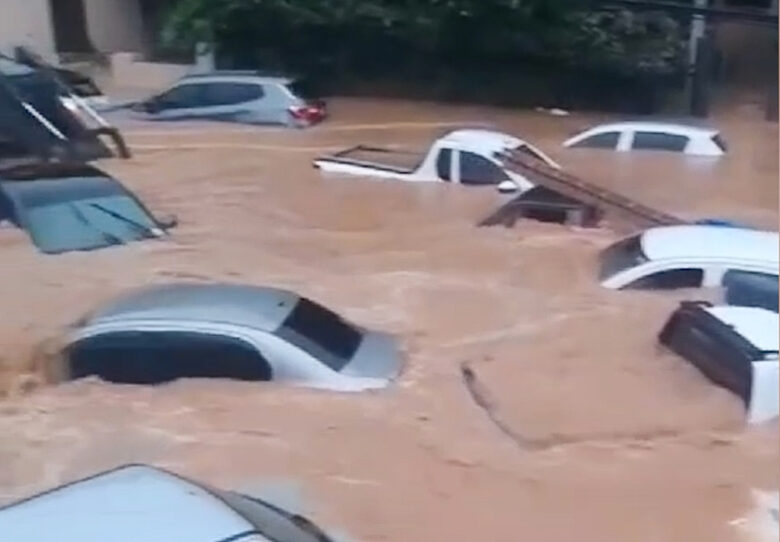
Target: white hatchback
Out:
[663,136]
[688,256]
[735,347]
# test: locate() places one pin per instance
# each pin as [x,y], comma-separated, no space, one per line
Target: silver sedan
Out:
[161,333]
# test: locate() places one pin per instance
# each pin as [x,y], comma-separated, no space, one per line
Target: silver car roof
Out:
[254,307]
[129,504]
[257,77]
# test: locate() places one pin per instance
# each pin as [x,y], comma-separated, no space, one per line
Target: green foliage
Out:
[354,34]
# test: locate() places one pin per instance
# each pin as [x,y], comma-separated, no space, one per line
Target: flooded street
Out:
[585,429]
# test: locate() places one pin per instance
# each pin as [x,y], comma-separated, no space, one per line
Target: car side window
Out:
[606,140]
[180,97]
[162,356]
[476,169]
[444,164]
[669,280]
[216,94]
[659,141]
[751,289]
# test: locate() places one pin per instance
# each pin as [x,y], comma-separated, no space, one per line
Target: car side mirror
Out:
[168,222]
[506,187]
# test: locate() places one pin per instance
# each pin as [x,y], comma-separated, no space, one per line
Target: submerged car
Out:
[688,256]
[657,136]
[162,333]
[735,347]
[140,503]
[237,96]
[70,207]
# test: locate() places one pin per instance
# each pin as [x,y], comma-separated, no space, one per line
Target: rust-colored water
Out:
[606,437]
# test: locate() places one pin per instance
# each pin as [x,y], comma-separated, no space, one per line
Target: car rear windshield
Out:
[321,333]
[622,255]
[718,140]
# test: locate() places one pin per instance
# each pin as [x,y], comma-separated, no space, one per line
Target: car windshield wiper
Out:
[109,238]
[143,228]
[298,520]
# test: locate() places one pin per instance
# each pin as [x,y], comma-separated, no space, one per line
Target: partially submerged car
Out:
[237,96]
[687,256]
[643,135]
[735,347]
[140,503]
[469,157]
[162,333]
[69,207]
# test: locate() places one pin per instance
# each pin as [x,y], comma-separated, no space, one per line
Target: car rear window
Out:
[321,333]
[620,256]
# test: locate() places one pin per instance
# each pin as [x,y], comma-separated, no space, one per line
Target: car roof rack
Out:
[37,123]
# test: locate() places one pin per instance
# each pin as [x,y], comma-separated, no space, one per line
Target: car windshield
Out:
[321,333]
[622,255]
[87,224]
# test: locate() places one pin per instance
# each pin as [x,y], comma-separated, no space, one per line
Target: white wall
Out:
[26,22]
[114,25]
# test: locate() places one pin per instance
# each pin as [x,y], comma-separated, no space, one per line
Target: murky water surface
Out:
[610,438]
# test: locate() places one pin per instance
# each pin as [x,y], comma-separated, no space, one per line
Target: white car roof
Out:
[654,126]
[712,243]
[483,139]
[129,504]
[489,141]
[759,326]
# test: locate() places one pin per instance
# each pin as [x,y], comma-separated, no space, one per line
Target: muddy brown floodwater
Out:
[596,434]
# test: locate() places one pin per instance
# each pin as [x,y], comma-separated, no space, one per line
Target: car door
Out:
[647,140]
[234,101]
[153,357]
[612,140]
[478,170]
[181,102]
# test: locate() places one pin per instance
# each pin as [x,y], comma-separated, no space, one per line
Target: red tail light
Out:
[308,113]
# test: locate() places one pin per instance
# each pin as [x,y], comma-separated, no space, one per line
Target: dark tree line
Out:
[532,48]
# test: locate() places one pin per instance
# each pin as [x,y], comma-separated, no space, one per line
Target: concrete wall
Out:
[128,71]
[26,22]
[114,25]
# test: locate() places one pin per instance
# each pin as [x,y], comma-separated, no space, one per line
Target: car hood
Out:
[378,356]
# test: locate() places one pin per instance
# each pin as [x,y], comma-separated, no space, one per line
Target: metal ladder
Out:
[608,201]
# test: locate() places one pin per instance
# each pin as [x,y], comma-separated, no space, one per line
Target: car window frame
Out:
[95,331]
[635,133]
[620,136]
[629,285]
[216,84]
[157,99]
